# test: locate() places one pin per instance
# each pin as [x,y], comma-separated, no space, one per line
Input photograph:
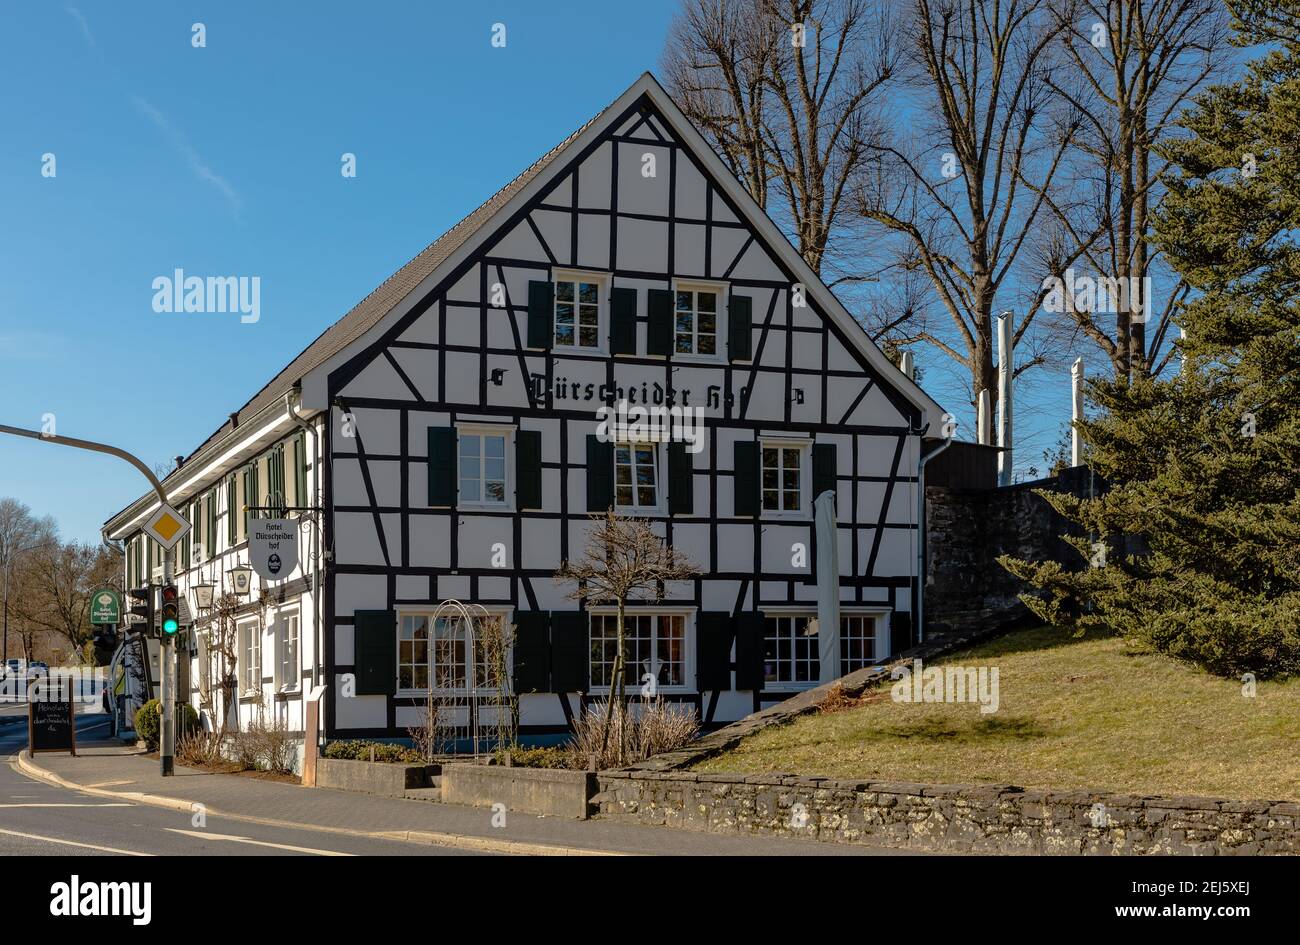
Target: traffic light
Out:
[171,617]
[142,605]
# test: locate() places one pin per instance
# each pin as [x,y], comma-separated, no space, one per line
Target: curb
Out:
[428,838]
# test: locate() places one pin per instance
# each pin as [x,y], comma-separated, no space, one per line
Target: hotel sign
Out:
[273,547]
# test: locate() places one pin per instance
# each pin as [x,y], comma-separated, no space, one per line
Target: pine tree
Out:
[1205,465]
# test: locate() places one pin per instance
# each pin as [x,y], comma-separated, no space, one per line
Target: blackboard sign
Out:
[50,726]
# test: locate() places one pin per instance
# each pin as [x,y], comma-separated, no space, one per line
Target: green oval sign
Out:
[106,606]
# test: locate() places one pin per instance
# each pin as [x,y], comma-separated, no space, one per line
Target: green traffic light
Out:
[170,626]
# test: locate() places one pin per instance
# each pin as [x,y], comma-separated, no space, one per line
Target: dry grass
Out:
[1074,714]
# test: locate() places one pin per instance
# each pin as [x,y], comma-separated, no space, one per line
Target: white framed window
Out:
[784,470]
[483,465]
[636,476]
[699,316]
[441,651]
[579,311]
[857,640]
[250,655]
[655,644]
[790,655]
[287,638]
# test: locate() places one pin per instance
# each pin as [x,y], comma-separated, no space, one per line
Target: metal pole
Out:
[168,653]
[167,743]
[1005,439]
[1076,412]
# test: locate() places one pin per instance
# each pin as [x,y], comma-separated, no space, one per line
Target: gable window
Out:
[654,645]
[636,475]
[577,313]
[483,467]
[783,477]
[695,323]
[790,656]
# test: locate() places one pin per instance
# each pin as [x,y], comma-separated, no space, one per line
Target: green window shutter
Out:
[230,512]
[531,652]
[570,666]
[250,494]
[600,474]
[300,470]
[442,465]
[659,321]
[528,469]
[622,321]
[745,484]
[210,531]
[900,632]
[375,649]
[740,323]
[749,651]
[541,314]
[713,631]
[148,560]
[823,469]
[681,480]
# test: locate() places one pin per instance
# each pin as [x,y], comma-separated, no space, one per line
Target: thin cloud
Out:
[85,26]
[186,150]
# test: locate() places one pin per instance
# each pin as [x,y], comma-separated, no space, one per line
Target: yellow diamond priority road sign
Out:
[166,526]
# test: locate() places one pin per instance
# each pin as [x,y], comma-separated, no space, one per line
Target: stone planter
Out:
[551,793]
[367,777]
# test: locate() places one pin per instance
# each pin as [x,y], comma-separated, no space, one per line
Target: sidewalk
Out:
[111,770]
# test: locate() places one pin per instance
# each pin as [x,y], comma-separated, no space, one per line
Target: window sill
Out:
[573,349]
[699,358]
[485,507]
[288,692]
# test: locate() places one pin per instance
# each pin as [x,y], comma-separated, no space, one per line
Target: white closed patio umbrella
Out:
[828,586]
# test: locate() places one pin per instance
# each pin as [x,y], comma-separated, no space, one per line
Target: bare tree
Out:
[59,580]
[1135,64]
[785,91]
[624,559]
[959,186]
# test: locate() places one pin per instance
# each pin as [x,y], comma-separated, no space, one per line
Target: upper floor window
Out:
[577,313]
[636,475]
[483,467]
[783,477]
[696,322]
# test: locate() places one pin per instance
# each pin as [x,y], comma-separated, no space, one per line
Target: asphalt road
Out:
[38,819]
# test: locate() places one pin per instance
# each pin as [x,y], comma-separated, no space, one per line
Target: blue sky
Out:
[225,160]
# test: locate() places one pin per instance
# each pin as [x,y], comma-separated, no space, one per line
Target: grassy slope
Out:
[1074,713]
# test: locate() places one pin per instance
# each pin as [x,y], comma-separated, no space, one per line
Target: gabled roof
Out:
[374,314]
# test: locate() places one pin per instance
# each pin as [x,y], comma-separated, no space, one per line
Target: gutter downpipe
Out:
[920,544]
[318,563]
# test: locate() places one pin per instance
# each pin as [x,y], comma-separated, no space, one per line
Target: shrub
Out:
[653,728]
[553,756]
[148,723]
[360,751]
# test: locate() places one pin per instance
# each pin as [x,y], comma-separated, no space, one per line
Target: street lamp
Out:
[241,577]
[203,596]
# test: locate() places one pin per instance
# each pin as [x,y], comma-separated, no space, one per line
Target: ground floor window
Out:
[441,649]
[790,654]
[287,637]
[250,652]
[857,641]
[654,645]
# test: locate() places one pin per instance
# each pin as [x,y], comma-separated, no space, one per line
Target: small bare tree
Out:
[625,559]
[217,678]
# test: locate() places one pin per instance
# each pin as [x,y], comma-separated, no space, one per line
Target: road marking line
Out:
[259,843]
[108,783]
[42,804]
[73,843]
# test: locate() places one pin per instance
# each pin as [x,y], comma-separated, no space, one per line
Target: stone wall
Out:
[966,531]
[949,818]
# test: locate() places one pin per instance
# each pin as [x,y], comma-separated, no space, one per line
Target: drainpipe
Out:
[318,563]
[920,544]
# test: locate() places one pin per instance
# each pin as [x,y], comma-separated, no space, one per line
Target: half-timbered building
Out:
[449,432]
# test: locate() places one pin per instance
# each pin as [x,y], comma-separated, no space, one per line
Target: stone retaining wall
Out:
[949,818]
